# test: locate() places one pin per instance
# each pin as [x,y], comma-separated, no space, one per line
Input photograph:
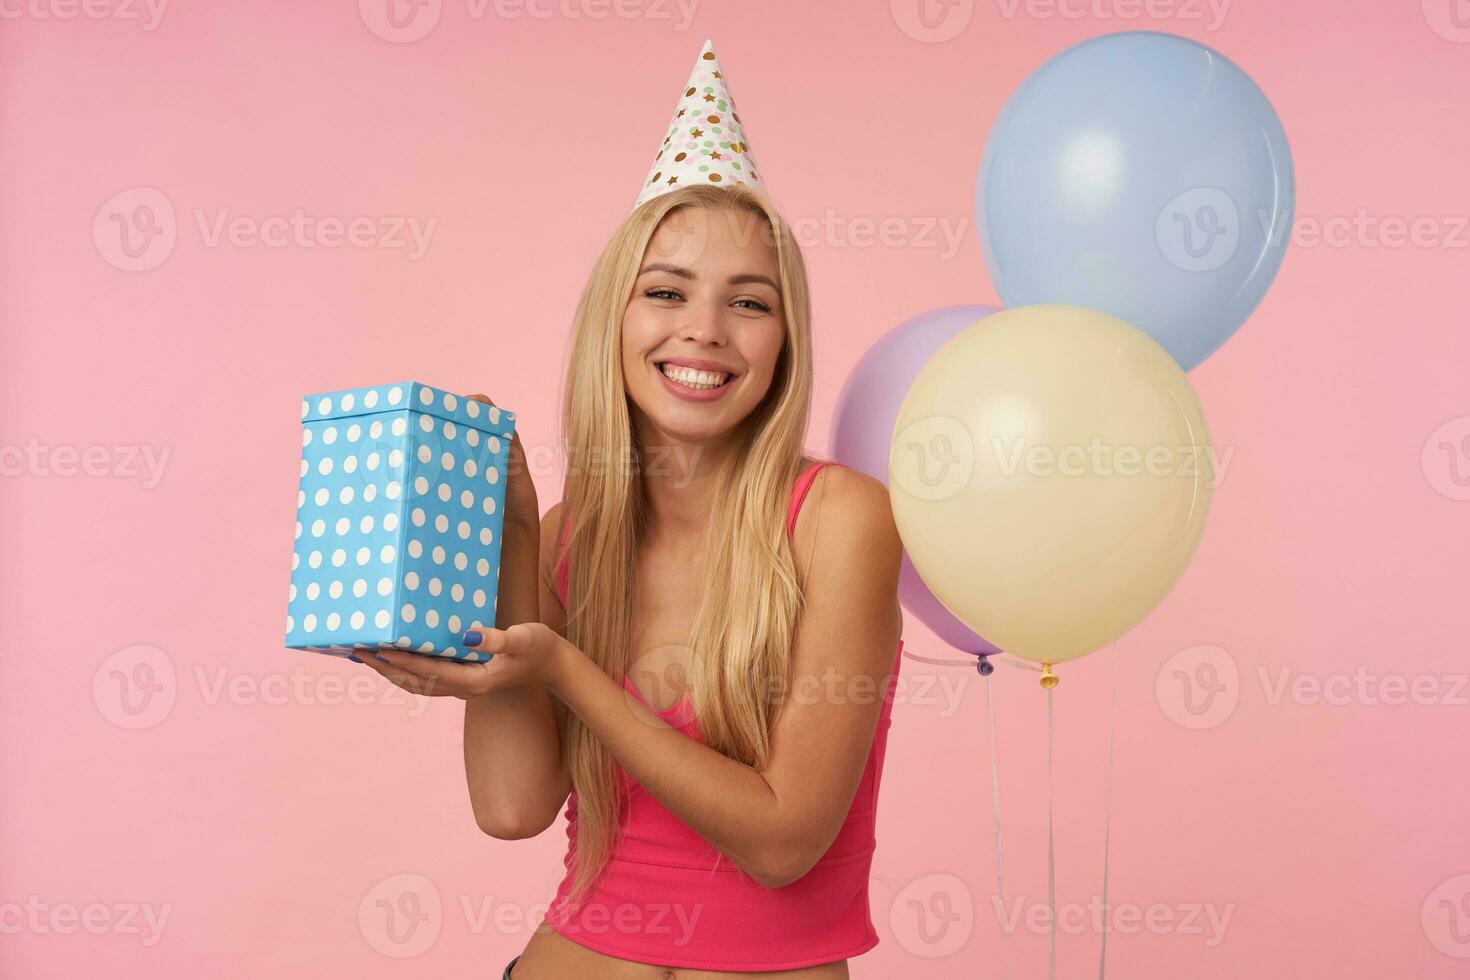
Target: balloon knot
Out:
[1048,679]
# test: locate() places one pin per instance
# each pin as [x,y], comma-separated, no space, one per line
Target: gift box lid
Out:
[413,396]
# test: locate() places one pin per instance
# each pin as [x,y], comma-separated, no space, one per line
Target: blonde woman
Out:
[695,650]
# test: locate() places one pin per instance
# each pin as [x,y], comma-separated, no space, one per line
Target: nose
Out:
[704,325]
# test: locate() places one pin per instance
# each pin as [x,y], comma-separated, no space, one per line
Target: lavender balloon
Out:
[862,429]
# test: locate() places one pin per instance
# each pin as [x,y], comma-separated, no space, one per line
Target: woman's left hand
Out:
[527,653]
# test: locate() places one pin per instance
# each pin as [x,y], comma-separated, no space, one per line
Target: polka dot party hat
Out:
[705,143]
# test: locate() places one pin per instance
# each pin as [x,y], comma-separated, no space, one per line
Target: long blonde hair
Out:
[743,630]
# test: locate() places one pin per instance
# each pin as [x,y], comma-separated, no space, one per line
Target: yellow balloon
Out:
[1050,474]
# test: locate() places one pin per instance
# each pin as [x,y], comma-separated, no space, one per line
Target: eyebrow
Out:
[683,273]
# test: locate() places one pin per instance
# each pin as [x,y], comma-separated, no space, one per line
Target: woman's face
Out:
[704,326]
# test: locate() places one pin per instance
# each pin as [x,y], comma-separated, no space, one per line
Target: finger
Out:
[488,639]
[434,671]
[515,439]
[411,683]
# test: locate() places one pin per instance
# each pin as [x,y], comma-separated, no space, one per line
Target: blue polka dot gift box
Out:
[398,520]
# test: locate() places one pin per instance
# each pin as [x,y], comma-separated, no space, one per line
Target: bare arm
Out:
[776,824]
[512,736]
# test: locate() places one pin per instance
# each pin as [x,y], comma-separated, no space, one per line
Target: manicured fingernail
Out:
[354,658]
[473,638]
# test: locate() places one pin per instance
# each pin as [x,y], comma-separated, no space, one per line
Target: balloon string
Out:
[1051,850]
[1000,879]
[1102,959]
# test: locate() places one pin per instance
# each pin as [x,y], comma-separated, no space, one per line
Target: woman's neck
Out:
[678,483]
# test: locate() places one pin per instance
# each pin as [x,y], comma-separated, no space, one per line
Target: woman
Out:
[694,650]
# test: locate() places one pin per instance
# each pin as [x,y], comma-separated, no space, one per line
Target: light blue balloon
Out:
[1144,175]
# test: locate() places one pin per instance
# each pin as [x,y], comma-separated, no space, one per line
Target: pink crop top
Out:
[659,902]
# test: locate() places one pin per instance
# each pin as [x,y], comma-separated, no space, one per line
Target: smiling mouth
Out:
[695,380]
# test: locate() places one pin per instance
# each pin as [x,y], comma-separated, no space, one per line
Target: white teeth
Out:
[691,378]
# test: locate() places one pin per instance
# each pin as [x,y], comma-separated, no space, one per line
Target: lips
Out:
[687,393]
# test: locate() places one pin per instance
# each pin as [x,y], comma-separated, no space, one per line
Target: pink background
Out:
[269,815]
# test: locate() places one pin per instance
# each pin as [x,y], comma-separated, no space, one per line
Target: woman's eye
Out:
[661,294]
[755,304]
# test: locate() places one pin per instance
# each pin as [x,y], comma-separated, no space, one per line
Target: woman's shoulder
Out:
[847,488]
[850,500]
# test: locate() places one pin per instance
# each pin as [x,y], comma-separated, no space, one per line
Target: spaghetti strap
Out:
[803,486]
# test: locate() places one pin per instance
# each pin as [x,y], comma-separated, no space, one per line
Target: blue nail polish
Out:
[354,658]
[473,638]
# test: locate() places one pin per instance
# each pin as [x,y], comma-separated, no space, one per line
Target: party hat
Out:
[705,143]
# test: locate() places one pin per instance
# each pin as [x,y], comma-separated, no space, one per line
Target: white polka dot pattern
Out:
[396,491]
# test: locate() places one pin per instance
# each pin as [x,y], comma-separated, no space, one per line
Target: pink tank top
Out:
[667,897]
